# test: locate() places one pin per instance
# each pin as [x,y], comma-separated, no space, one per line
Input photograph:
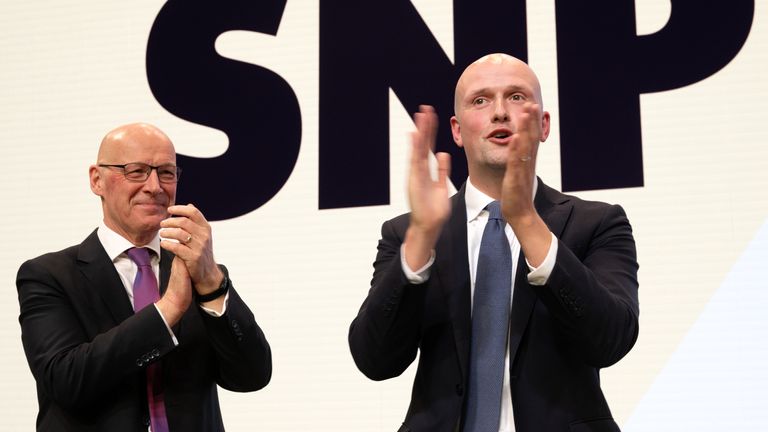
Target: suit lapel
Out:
[554,208]
[452,274]
[101,278]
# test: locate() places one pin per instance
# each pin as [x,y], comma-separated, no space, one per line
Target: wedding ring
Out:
[189,238]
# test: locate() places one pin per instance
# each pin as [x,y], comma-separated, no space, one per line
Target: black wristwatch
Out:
[220,291]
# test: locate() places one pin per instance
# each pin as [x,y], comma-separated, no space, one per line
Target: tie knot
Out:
[494,210]
[139,255]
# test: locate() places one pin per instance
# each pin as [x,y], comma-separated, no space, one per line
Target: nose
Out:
[500,112]
[152,183]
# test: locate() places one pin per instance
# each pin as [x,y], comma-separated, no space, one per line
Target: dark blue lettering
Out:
[255,107]
[368,47]
[603,67]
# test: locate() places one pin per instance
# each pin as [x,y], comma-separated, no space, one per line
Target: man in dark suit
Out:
[99,365]
[573,305]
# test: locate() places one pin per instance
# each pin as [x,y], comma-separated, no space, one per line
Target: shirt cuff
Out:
[419,276]
[170,332]
[540,275]
[213,313]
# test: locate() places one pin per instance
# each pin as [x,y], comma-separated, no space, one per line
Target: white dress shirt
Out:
[477,217]
[116,246]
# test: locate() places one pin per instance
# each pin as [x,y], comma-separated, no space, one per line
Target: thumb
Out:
[179,268]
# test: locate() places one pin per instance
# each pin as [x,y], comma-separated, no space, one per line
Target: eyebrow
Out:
[511,88]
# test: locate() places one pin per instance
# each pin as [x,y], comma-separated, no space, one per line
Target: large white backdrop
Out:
[72,70]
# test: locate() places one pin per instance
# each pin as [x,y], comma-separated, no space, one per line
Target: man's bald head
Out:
[126,135]
[484,65]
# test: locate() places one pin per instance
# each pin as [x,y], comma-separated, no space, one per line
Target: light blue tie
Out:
[490,322]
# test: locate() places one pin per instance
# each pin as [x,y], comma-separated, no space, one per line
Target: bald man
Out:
[136,326]
[572,292]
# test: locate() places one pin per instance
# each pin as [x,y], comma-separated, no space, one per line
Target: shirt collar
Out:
[115,244]
[476,201]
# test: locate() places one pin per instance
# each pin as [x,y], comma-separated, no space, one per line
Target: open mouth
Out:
[500,134]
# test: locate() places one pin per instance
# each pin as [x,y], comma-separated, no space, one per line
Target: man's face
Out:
[134,209]
[489,99]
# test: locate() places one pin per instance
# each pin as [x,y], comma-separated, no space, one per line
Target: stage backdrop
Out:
[293,119]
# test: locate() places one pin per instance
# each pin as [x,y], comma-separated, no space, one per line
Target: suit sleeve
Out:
[384,337]
[71,368]
[243,355]
[593,289]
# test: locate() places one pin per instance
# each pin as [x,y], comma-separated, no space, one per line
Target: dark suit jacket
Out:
[562,333]
[88,351]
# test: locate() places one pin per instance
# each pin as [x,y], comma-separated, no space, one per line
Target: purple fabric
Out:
[145,292]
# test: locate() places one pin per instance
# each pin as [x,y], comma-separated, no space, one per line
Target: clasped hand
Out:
[193,246]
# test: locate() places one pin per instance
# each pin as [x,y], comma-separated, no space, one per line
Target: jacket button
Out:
[459,389]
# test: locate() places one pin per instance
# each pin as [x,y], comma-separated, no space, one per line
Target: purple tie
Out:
[145,292]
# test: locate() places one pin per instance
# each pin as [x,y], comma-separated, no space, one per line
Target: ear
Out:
[456,131]
[544,126]
[97,180]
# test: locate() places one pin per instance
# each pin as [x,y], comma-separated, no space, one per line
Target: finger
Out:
[531,120]
[182,236]
[429,126]
[525,137]
[420,144]
[188,211]
[182,251]
[181,222]
[177,249]
[426,127]
[524,120]
[187,218]
[443,168]
[179,268]
[418,149]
